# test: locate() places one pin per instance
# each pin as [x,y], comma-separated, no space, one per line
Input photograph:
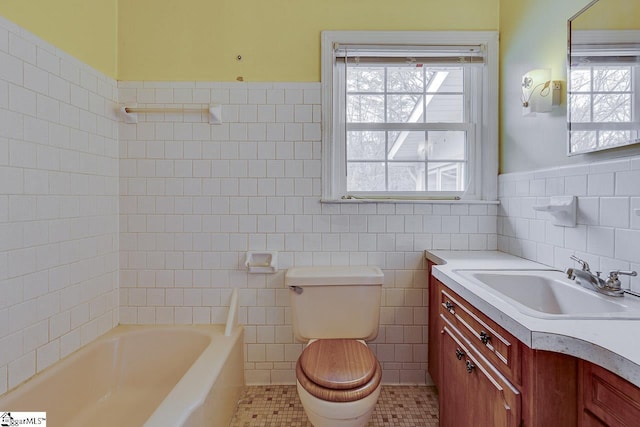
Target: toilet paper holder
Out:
[262,262]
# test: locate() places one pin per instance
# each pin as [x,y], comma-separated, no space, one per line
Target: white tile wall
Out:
[58,204]
[607,233]
[195,197]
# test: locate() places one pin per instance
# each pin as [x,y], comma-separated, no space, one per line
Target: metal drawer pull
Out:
[459,354]
[470,366]
[484,337]
[449,306]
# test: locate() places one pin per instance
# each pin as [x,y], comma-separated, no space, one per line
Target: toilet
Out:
[335,311]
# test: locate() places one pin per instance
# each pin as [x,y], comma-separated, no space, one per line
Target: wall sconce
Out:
[537,96]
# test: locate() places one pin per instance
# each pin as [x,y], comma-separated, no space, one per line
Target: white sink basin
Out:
[550,294]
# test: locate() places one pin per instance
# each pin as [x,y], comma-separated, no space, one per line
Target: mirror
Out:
[603,76]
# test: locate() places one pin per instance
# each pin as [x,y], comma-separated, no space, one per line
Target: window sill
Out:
[412,201]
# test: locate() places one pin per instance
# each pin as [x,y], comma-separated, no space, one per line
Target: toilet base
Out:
[322,413]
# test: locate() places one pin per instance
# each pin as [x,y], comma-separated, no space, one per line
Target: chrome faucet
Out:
[585,277]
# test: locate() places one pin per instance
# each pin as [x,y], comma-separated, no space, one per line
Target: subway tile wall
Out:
[607,234]
[58,204]
[195,197]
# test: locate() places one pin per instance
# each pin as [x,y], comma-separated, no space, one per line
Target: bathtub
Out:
[151,376]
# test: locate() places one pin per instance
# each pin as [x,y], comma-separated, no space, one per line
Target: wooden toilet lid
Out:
[342,370]
[338,364]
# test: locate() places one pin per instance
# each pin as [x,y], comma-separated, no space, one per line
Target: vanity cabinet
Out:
[605,399]
[487,377]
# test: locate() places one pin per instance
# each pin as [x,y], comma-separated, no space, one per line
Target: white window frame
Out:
[580,38]
[485,150]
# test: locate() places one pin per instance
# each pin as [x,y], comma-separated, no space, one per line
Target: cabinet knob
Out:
[470,366]
[449,306]
[459,354]
[484,337]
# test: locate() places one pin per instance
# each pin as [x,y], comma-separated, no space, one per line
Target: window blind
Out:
[605,54]
[409,54]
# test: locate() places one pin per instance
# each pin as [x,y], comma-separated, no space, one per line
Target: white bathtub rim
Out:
[193,388]
[232,315]
[165,418]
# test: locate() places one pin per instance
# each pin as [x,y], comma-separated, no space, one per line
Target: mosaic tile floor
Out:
[276,406]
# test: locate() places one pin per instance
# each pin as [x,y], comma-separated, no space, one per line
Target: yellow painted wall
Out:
[610,15]
[279,40]
[85,29]
[533,34]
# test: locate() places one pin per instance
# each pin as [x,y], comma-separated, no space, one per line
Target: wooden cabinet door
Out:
[609,398]
[472,392]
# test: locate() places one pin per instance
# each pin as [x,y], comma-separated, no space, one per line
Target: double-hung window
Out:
[409,115]
[604,111]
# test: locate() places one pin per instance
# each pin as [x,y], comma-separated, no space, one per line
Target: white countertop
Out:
[610,343]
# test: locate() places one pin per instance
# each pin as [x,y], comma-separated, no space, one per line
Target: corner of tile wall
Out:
[607,233]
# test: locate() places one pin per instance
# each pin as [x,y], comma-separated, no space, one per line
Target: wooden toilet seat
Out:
[338,370]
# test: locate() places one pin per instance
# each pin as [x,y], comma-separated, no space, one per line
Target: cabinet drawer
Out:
[610,398]
[493,342]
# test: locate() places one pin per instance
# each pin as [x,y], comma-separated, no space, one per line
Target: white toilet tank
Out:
[335,302]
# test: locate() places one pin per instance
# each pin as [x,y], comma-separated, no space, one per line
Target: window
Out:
[603,110]
[409,115]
